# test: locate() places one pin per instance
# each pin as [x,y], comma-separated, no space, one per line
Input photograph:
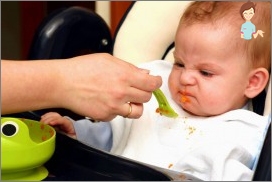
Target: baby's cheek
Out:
[209,101]
[213,105]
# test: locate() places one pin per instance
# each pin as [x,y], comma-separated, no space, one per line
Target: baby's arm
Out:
[59,122]
[97,135]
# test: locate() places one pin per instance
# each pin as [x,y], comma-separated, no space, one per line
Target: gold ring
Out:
[130,110]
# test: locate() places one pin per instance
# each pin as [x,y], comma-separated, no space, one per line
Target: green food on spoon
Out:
[164,107]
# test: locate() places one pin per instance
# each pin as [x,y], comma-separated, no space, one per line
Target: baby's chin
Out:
[197,112]
[187,105]
[202,114]
[194,113]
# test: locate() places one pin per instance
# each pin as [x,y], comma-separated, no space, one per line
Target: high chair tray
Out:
[75,161]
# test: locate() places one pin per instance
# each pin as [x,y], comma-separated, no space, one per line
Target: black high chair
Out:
[75,31]
[69,32]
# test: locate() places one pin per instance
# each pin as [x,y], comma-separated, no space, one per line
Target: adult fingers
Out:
[132,110]
[141,79]
[135,95]
[145,81]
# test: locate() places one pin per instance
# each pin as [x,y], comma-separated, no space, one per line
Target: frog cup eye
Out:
[9,128]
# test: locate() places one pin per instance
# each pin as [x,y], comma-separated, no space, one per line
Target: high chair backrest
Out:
[69,32]
[147,33]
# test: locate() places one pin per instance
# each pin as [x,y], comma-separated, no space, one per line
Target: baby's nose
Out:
[187,77]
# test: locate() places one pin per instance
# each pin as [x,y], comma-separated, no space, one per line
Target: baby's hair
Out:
[248,5]
[222,13]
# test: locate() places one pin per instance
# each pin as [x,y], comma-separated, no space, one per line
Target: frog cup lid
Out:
[25,146]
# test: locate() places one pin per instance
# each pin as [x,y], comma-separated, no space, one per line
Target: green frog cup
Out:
[25,146]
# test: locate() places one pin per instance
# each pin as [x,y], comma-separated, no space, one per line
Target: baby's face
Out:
[209,76]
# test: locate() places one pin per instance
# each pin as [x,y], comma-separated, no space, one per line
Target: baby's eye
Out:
[206,73]
[179,65]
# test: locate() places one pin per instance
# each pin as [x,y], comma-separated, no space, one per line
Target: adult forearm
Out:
[27,85]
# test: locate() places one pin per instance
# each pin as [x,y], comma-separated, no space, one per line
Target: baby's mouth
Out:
[184,98]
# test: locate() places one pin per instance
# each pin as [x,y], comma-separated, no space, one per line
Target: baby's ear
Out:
[258,79]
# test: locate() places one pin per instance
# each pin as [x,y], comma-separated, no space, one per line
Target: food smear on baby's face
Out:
[184,99]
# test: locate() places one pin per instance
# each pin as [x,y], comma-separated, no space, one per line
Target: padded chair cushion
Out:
[149,39]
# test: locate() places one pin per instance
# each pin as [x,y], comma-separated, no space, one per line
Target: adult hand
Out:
[100,86]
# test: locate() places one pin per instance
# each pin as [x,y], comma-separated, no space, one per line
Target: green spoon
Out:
[164,107]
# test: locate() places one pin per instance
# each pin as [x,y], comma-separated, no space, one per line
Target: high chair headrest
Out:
[148,30]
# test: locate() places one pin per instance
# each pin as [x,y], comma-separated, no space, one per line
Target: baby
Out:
[210,85]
